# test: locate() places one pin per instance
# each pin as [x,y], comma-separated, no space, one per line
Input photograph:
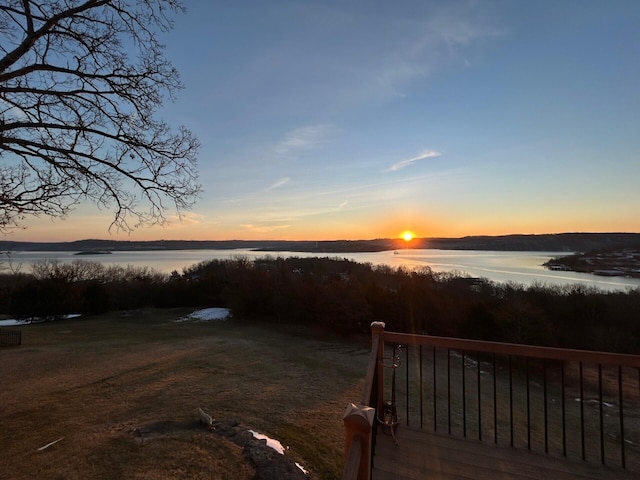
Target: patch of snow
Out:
[606,404]
[12,322]
[302,468]
[207,314]
[275,444]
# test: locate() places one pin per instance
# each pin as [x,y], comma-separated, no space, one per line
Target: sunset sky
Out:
[360,119]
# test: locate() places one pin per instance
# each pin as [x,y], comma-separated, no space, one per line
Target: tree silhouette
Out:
[80,85]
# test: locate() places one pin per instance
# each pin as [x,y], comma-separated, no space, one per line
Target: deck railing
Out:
[359,419]
[573,403]
[9,338]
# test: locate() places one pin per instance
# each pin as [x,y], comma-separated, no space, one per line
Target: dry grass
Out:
[98,381]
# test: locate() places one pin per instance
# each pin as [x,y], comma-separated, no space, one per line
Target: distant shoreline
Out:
[94,252]
[622,262]
[561,242]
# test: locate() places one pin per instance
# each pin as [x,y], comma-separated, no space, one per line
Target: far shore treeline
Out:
[558,242]
[339,296]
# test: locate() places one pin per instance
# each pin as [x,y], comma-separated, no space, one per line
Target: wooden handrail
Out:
[352,464]
[377,329]
[548,353]
[359,419]
[359,422]
[365,398]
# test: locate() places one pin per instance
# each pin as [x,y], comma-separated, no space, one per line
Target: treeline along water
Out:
[520,267]
[341,295]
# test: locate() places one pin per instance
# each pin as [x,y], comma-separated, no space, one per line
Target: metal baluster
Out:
[464,400]
[601,413]
[526,369]
[510,401]
[544,395]
[582,414]
[449,387]
[495,403]
[620,398]
[393,380]
[407,382]
[479,401]
[564,415]
[435,393]
[421,408]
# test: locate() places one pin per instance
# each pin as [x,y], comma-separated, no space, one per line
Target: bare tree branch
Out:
[80,85]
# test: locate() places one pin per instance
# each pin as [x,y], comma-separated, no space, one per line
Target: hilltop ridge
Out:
[559,242]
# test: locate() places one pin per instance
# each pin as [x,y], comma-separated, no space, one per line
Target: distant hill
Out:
[561,242]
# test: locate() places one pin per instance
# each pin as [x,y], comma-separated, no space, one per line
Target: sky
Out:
[361,119]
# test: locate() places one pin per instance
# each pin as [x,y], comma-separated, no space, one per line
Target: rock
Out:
[268,463]
[224,429]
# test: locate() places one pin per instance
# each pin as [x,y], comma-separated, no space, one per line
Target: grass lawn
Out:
[98,382]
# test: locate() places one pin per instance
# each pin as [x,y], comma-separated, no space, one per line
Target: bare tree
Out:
[80,85]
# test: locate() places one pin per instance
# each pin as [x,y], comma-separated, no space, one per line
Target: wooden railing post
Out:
[377,328]
[358,422]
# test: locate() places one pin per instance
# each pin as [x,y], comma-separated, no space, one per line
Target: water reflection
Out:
[520,267]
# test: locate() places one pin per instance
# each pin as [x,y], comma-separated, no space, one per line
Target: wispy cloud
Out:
[410,161]
[429,39]
[263,228]
[279,183]
[307,201]
[185,219]
[303,138]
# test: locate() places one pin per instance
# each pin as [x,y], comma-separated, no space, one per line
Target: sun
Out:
[407,235]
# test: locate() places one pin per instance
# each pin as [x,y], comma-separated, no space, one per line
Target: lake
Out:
[521,267]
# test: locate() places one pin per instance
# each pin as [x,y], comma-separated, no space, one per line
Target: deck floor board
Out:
[424,455]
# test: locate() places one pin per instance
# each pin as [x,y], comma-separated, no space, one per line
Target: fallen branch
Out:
[49,444]
[205,418]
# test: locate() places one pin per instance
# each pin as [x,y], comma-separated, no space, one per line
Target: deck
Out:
[509,412]
[425,455]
